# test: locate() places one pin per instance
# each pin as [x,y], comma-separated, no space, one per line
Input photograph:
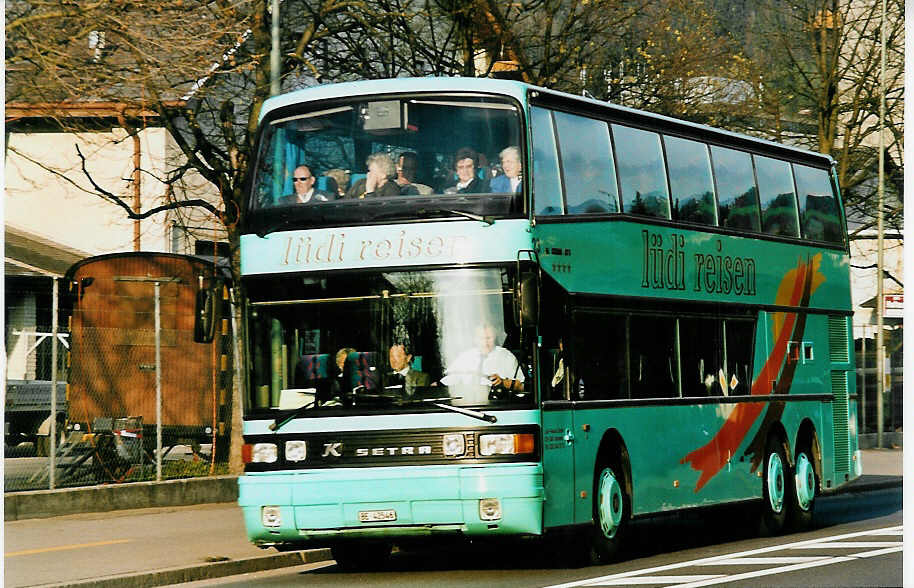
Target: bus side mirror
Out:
[205,315]
[527,303]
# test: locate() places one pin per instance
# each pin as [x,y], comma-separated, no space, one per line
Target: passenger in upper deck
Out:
[407,165]
[510,181]
[377,182]
[305,193]
[466,160]
[341,177]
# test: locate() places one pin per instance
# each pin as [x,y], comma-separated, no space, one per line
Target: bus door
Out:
[558,463]
[558,438]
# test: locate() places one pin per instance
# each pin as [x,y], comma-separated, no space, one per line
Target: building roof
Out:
[28,254]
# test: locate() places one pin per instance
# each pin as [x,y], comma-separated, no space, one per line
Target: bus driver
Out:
[486,364]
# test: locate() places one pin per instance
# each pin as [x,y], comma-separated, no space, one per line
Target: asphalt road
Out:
[855,542]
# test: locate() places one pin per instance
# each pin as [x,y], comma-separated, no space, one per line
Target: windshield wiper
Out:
[476,414]
[281,421]
[489,220]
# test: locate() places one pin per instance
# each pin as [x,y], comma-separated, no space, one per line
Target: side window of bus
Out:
[587,165]
[736,192]
[652,356]
[779,203]
[819,215]
[547,189]
[739,335]
[641,173]
[599,356]
[701,356]
[691,184]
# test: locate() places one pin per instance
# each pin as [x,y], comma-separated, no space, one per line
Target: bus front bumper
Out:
[320,507]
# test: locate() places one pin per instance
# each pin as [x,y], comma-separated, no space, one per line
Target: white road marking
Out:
[673,580]
[848,544]
[741,561]
[768,572]
[890,547]
[877,552]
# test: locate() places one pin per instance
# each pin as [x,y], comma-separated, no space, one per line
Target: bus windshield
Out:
[389,342]
[388,159]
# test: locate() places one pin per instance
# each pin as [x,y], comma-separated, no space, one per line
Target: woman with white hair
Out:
[509,181]
[377,182]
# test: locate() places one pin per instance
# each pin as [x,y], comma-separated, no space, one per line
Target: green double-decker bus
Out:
[477,308]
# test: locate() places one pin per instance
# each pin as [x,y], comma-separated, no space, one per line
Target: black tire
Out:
[801,501]
[611,514]
[775,488]
[358,556]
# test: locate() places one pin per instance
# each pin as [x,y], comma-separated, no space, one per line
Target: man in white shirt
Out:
[487,365]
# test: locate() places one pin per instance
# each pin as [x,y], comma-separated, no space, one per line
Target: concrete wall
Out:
[52,503]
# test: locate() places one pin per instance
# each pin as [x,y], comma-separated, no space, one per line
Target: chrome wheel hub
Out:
[610,504]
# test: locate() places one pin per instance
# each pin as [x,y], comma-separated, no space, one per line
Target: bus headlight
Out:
[454,444]
[270,516]
[296,450]
[264,453]
[506,444]
[489,509]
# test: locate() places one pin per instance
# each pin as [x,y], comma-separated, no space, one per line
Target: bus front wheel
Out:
[611,513]
[775,488]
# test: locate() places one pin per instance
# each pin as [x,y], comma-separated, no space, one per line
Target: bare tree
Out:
[819,61]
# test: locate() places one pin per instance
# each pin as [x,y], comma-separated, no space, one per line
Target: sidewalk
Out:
[159,546]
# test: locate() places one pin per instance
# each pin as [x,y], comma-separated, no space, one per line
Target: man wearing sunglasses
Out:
[303,184]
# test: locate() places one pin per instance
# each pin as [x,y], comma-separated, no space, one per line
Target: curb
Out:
[871,482]
[205,571]
[39,504]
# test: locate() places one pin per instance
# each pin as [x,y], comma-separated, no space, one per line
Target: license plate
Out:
[376,516]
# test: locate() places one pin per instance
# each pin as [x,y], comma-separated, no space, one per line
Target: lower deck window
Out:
[630,355]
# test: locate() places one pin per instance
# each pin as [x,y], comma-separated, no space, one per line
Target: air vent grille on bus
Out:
[837,339]
[839,416]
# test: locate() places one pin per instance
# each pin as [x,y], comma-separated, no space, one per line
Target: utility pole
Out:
[275,61]
[880,237]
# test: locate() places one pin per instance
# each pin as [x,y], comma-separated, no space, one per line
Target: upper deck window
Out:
[587,164]
[736,191]
[386,159]
[779,203]
[691,184]
[547,188]
[819,214]
[641,173]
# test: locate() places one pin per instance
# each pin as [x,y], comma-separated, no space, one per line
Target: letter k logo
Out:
[333,449]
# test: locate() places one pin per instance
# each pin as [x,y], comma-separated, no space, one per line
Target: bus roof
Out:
[514,89]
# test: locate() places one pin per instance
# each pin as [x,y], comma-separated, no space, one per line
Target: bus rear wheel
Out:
[802,498]
[612,510]
[775,488]
[361,556]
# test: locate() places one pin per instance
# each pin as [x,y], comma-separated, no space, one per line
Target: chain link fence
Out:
[138,397]
[893,401]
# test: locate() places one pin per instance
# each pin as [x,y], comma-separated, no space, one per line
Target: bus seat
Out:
[313,366]
[365,373]
[327,184]
[353,178]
